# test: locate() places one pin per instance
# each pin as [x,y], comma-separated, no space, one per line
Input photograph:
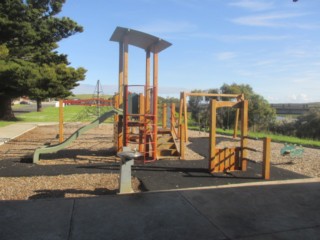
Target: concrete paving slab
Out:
[17,129]
[140,216]
[261,210]
[30,220]
[14,130]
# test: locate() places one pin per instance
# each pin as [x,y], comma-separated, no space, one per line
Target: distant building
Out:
[291,108]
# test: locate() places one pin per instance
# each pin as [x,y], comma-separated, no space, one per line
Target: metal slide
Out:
[74,136]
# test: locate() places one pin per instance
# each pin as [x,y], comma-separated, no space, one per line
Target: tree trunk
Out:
[39,105]
[5,108]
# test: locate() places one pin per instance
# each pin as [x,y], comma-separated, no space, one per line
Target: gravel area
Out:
[96,147]
[308,164]
[93,147]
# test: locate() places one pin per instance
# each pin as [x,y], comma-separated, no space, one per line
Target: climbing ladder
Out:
[141,131]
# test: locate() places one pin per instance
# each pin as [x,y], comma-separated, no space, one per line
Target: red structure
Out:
[89,102]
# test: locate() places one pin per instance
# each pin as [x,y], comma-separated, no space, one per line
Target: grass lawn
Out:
[274,137]
[88,114]
[51,114]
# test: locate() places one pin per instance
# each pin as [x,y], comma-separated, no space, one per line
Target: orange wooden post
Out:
[147,105]
[141,122]
[213,159]
[180,113]
[155,102]
[164,116]
[182,143]
[120,75]
[61,132]
[125,90]
[147,91]
[172,116]
[236,122]
[185,109]
[266,158]
[244,134]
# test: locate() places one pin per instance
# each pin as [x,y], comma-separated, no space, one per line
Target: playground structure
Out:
[228,158]
[136,124]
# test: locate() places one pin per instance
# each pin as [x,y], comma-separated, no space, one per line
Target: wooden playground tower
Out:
[139,122]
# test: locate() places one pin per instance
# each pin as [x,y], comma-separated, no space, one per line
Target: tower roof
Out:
[140,39]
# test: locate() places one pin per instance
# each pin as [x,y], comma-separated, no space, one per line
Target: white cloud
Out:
[225,55]
[300,97]
[253,5]
[268,20]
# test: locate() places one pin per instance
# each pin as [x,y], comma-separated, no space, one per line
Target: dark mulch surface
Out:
[160,175]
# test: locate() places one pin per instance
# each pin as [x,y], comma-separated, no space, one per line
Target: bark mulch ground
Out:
[89,166]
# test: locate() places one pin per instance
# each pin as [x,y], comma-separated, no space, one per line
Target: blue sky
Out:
[272,45]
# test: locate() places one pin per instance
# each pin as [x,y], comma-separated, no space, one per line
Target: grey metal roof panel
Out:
[139,39]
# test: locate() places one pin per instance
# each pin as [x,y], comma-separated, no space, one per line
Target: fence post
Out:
[164,116]
[266,158]
[182,142]
[61,138]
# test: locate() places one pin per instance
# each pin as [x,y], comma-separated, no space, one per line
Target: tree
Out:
[13,75]
[307,125]
[261,114]
[29,31]
[194,104]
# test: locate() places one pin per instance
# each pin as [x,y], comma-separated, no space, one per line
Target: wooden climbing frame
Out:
[148,113]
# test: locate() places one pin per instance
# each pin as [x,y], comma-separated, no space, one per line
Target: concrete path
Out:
[280,211]
[17,129]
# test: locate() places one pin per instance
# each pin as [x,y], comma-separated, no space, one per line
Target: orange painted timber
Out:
[266,158]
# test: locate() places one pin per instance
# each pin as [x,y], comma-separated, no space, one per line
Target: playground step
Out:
[165,139]
[166,145]
[135,124]
[167,152]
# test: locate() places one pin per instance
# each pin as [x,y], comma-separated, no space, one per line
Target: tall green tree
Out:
[261,114]
[308,124]
[194,104]
[29,33]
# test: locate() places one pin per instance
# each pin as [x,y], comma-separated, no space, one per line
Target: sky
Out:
[271,45]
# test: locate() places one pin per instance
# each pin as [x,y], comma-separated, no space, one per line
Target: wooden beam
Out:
[155,102]
[213,161]
[266,158]
[164,116]
[125,61]
[173,116]
[61,120]
[185,110]
[181,109]
[244,134]
[141,120]
[147,92]
[182,143]
[228,104]
[236,123]
[120,76]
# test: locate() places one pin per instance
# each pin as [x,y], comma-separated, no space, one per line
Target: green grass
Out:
[274,137]
[51,114]
[6,123]
[72,114]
